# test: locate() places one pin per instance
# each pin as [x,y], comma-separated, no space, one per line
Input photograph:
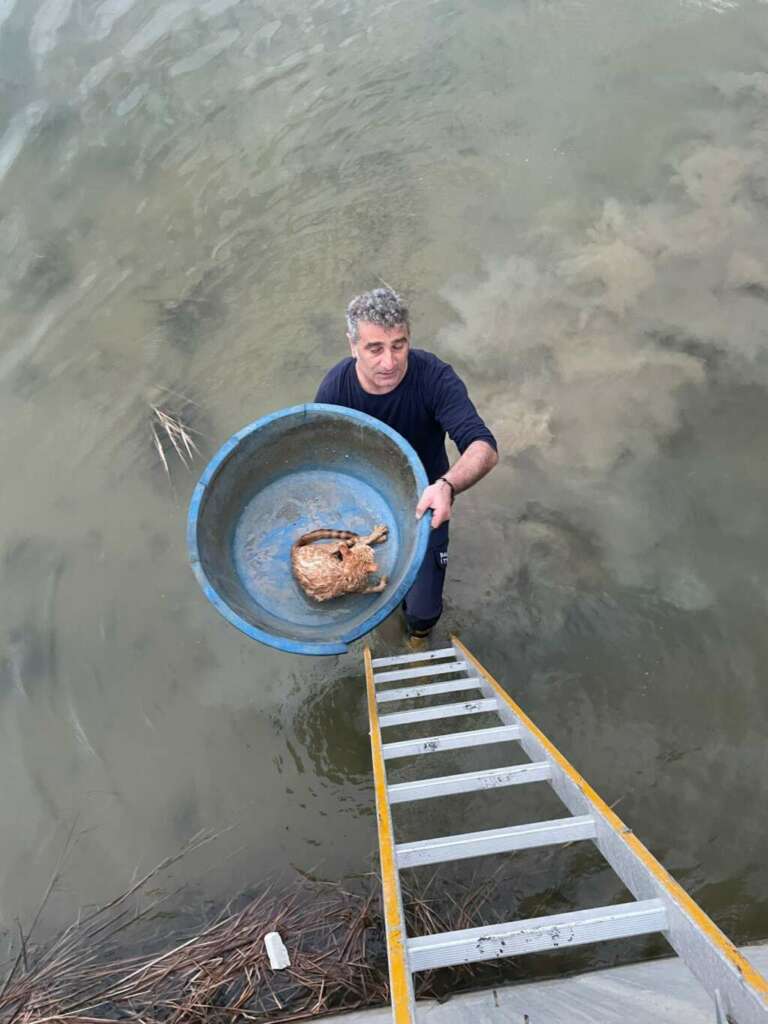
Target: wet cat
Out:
[331,570]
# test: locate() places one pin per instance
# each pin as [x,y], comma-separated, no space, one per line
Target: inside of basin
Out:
[310,468]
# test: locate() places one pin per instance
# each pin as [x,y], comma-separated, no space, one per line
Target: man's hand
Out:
[477,460]
[437,497]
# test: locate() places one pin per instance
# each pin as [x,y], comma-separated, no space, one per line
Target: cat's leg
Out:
[377,536]
[377,587]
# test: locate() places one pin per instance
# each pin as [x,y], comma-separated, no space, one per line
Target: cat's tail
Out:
[313,535]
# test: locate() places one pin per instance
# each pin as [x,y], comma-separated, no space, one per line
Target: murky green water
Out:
[573,196]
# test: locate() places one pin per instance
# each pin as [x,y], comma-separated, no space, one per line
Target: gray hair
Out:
[382,306]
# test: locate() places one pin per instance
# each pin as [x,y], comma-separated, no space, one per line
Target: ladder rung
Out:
[411,692]
[496,840]
[452,741]
[468,782]
[414,673]
[515,938]
[470,707]
[404,659]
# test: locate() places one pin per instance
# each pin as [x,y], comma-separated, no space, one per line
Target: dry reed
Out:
[171,434]
[219,972]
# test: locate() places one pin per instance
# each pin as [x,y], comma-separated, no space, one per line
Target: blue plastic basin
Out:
[301,469]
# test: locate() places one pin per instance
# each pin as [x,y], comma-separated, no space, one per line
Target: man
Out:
[421,398]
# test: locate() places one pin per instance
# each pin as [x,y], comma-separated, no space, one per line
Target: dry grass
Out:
[219,972]
[171,434]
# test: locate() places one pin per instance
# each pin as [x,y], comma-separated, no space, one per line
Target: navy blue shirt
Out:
[429,402]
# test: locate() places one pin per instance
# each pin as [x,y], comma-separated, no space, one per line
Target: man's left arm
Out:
[459,418]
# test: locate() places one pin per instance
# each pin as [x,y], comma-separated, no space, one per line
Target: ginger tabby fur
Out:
[325,571]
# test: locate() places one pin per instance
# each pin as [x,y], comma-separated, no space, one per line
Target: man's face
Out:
[381,354]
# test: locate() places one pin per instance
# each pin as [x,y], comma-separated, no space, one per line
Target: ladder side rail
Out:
[400,975]
[708,953]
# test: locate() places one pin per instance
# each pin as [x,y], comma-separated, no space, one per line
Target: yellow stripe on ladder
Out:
[400,980]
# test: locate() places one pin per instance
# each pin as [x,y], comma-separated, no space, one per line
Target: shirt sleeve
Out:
[455,412]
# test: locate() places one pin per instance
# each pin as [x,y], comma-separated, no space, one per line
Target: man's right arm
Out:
[457,415]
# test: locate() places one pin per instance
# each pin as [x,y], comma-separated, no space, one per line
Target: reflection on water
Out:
[332,726]
[573,198]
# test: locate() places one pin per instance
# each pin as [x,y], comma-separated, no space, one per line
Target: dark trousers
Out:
[423,604]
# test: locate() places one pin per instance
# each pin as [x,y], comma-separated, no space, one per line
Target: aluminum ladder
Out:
[738,990]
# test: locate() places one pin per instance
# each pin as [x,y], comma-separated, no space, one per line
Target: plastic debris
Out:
[276,951]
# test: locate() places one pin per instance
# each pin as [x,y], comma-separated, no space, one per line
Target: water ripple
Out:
[199,58]
[48,22]
[21,125]
[6,10]
[155,29]
[107,15]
